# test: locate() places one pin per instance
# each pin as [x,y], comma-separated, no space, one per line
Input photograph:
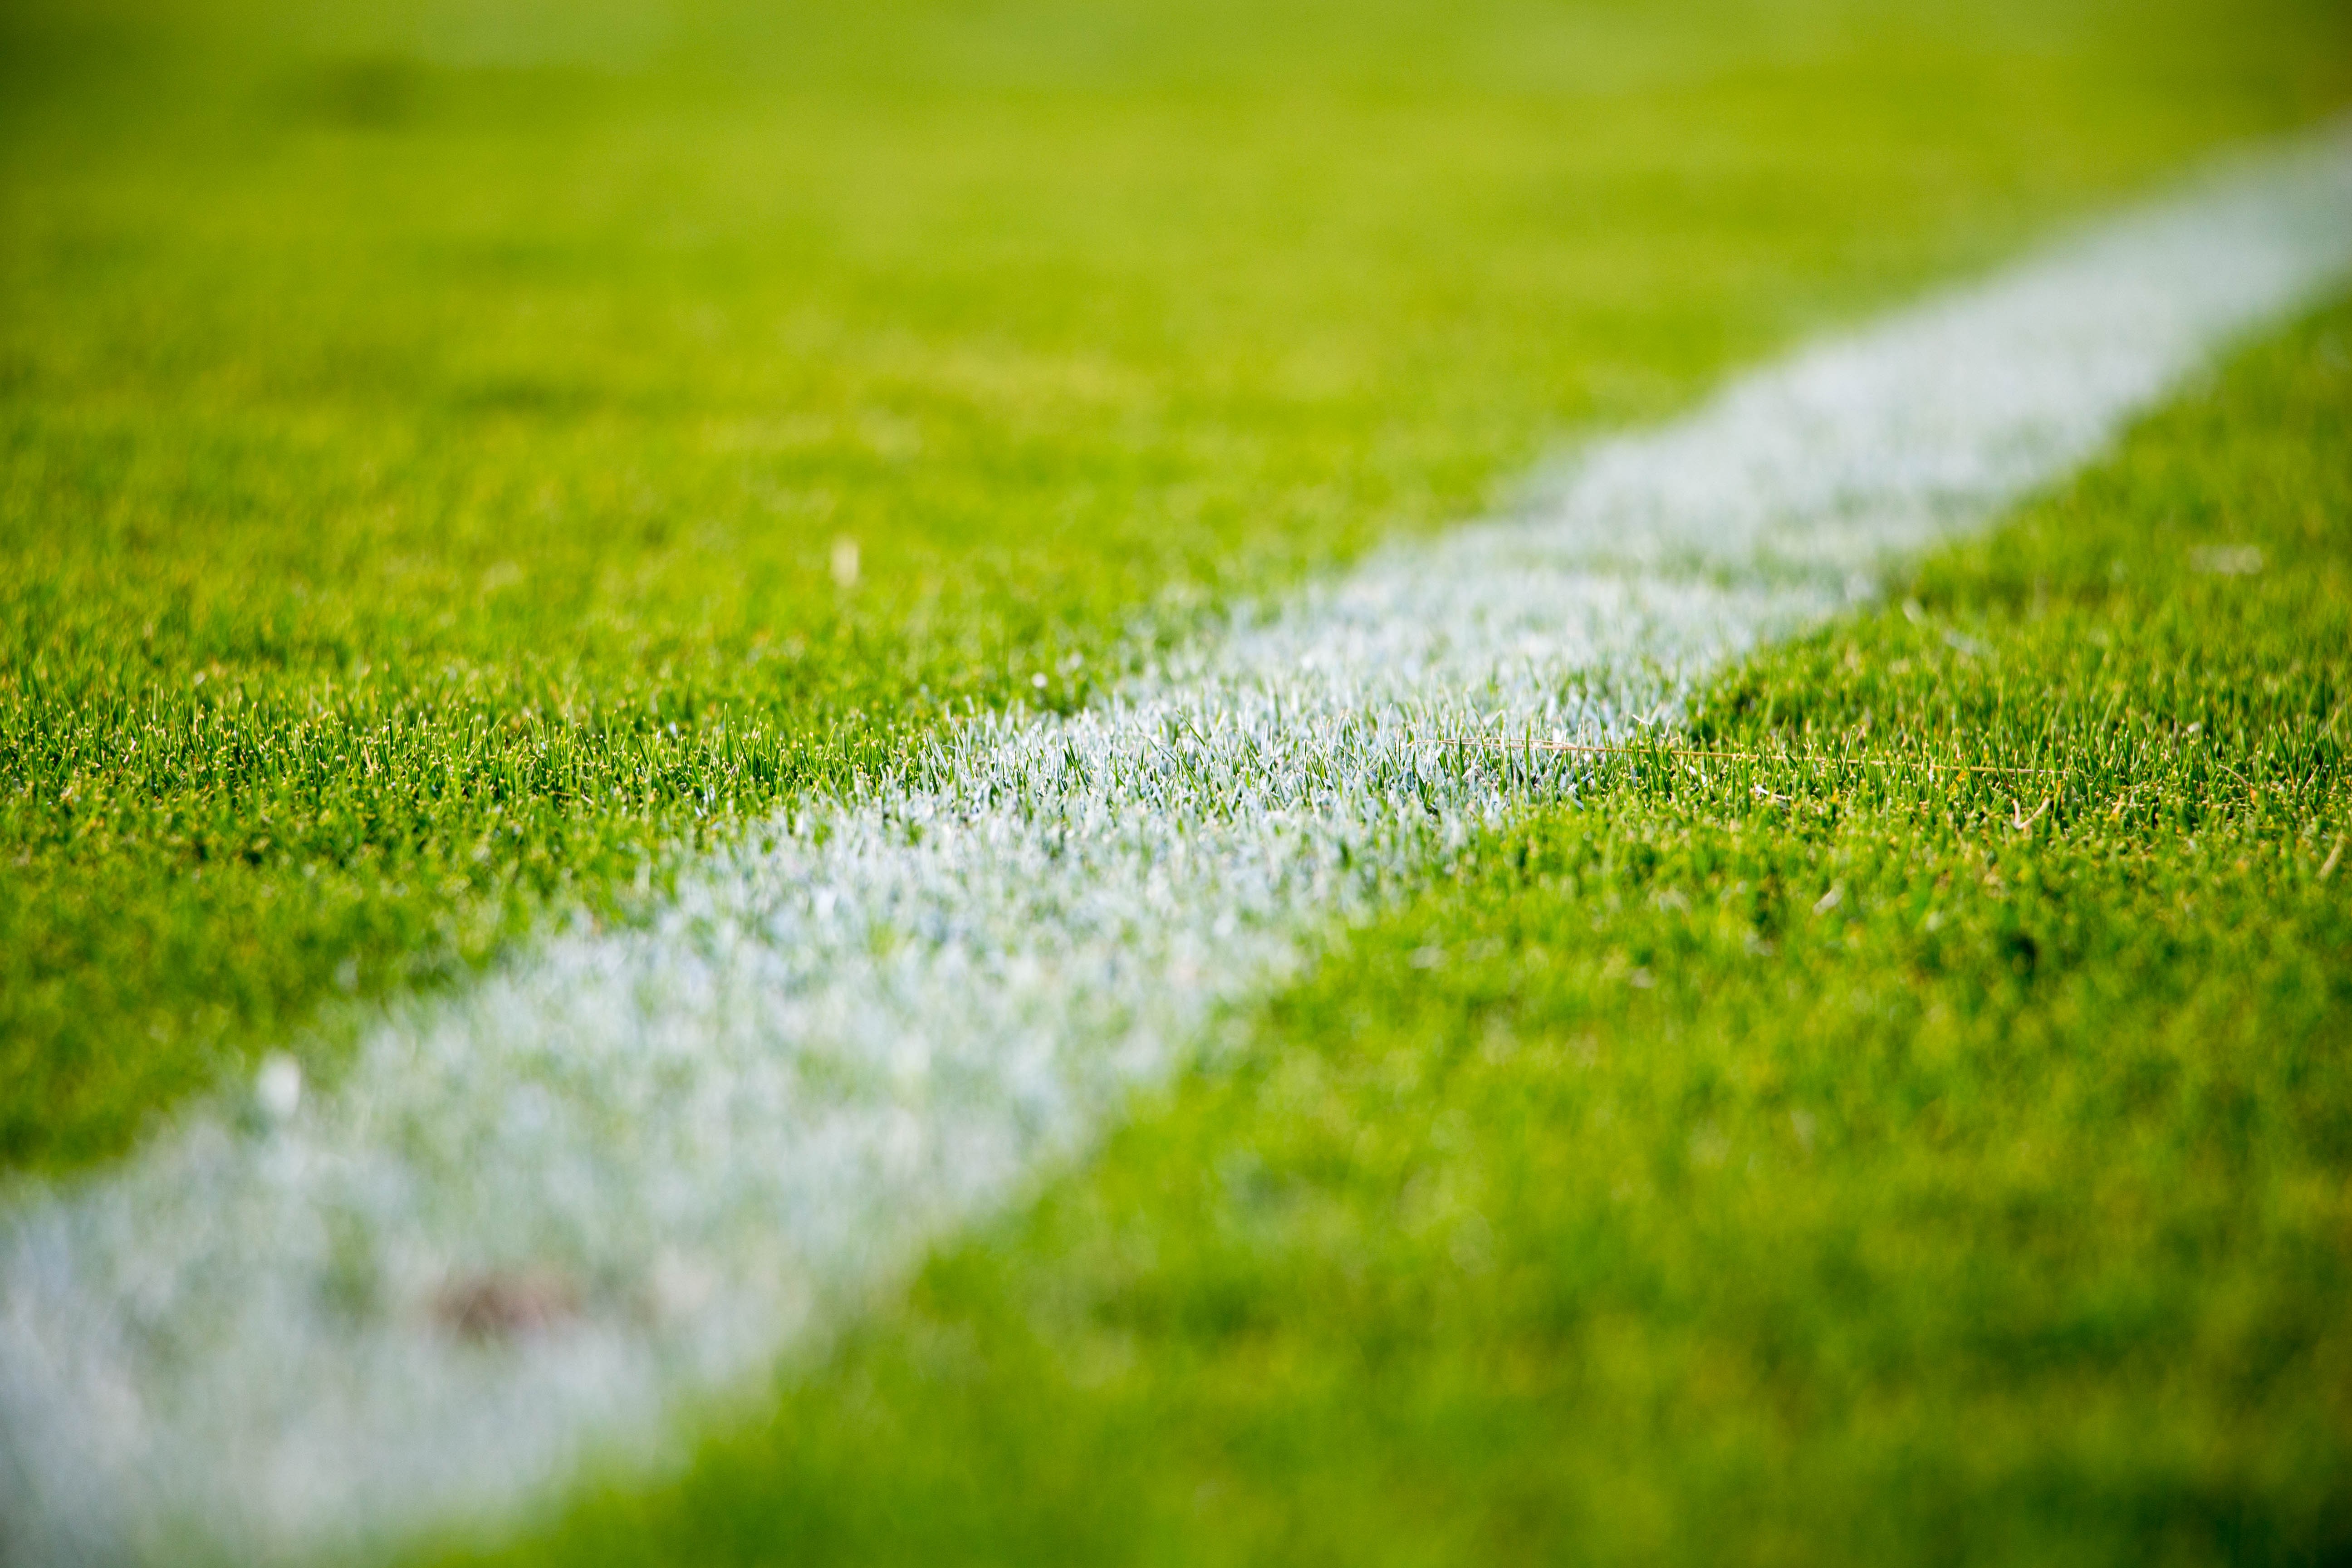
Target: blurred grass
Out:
[425,432]
[1746,1164]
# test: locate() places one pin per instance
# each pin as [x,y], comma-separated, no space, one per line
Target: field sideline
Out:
[683,841]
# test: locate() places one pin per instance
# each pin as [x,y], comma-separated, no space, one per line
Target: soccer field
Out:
[557,561]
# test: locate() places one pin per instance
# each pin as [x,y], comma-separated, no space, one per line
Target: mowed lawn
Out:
[1750,1162]
[456,460]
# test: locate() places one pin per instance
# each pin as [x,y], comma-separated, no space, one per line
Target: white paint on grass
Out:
[634,1166]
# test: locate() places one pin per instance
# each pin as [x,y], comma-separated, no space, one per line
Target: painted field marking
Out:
[536,1221]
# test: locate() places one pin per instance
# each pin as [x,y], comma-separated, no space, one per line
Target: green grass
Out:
[420,462]
[1748,1162]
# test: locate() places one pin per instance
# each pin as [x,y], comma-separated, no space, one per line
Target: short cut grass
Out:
[435,441]
[1750,1163]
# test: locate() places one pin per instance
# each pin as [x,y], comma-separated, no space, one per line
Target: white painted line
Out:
[634,1166]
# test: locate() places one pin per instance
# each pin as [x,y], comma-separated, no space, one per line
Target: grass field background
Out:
[1753,1162]
[431,439]
[459,461]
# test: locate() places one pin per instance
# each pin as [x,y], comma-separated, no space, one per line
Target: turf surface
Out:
[1746,1162]
[430,450]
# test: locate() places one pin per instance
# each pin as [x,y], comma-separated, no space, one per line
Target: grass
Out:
[1750,1163]
[425,446]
